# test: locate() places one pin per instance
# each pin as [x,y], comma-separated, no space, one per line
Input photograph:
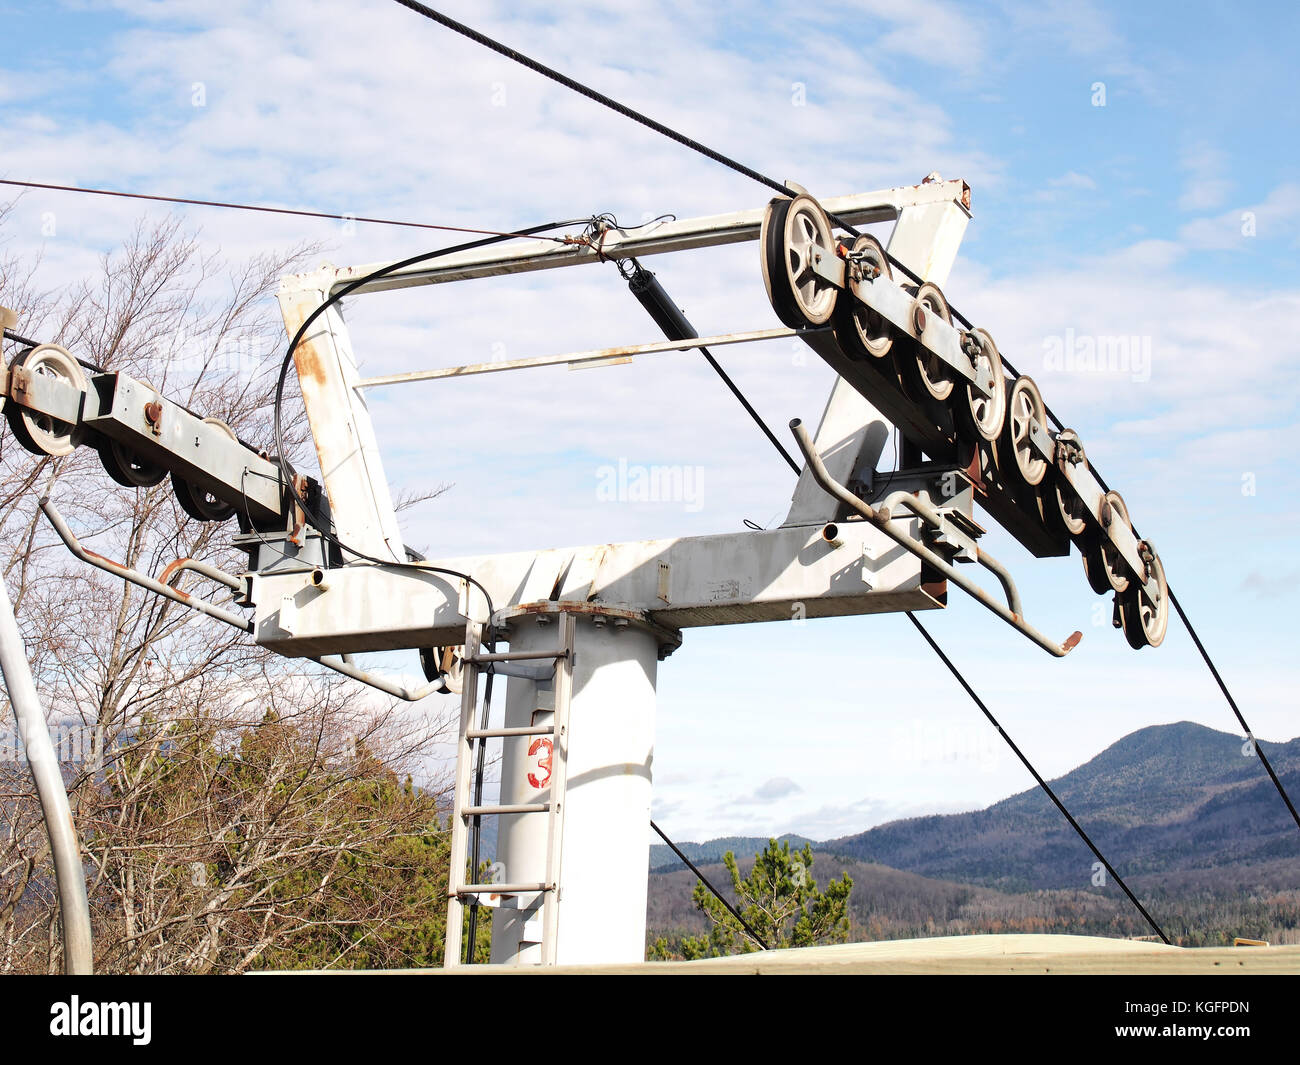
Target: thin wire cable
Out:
[249,207]
[476,829]
[1037,776]
[716,893]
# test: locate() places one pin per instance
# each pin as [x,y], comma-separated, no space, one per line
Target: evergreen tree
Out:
[779,900]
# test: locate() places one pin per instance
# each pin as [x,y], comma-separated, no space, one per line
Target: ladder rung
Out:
[501,889]
[524,730]
[516,808]
[515,656]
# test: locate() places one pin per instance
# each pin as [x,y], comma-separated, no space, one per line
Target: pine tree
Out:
[779,900]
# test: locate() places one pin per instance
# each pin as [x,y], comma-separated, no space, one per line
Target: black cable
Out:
[320,525]
[476,829]
[636,116]
[674,324]
[1218,679]
[1037,776]
[11,335]
[591,94]
[705,881]
[1259,749]
[668,316]
[314,519]
[25,342]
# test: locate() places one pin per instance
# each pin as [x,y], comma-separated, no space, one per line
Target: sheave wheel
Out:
[39,433]
[796,234]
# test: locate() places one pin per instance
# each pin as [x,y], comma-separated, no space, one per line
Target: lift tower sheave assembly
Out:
[587,626]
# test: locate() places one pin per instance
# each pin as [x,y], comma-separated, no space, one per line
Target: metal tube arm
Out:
[143,580]
[923,510]
[880,517]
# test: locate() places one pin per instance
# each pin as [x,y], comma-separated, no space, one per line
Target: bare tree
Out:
[228,802]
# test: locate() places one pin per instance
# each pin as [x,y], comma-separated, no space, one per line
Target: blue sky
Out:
[1125,219]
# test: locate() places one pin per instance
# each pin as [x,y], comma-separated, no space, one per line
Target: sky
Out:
[1133,172]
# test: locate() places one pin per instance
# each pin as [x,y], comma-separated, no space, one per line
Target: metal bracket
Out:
[880,517]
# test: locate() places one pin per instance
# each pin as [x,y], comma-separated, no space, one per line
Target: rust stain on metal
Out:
[307,361]
[576,606]
[153,415]
[975,471]
[19,381]
[170,569]
[937,590]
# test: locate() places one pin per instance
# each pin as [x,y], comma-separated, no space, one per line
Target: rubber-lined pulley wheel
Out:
[794,236]
[1146,620]
[1024,409]
[979,415]
[198,503]
[860,332]
[927,375]
[1113,567]
[1069,506]
[43,434]
[126,467]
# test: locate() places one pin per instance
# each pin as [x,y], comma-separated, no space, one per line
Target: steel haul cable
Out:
[1037,776]
[705,881]
[740,168]
[679,325]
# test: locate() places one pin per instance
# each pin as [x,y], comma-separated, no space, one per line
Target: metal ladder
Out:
[463,809]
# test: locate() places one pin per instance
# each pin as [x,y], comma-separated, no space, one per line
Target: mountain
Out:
[891,904]
[1170,805]
[1191,823]
[662,859]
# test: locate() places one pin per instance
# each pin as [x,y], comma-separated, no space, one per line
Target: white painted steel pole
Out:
[74,910]
[604,862]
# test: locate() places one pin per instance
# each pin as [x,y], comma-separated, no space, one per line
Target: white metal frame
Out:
[931,219]
[812,566]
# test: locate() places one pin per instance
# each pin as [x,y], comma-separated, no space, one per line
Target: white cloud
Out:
[1276,217]
[368,109]
[1206,185]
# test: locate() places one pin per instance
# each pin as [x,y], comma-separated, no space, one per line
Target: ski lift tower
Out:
[587,626]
